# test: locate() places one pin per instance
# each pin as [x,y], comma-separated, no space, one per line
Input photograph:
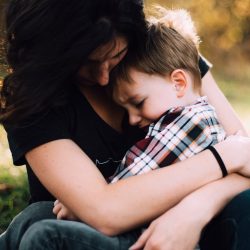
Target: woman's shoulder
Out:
[56,123]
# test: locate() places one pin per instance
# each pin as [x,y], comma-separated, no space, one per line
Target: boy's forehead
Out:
[125,92]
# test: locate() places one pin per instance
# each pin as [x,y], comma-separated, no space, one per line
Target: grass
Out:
[13,185]
[13,182]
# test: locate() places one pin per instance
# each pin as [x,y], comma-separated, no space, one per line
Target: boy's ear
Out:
[179,80]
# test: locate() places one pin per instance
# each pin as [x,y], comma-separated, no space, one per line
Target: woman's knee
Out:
[19,225]
[40,210]
[59,234]
[51,234]
[40,235]
[31,214]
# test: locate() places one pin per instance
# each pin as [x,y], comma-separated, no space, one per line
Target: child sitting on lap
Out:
[160,85]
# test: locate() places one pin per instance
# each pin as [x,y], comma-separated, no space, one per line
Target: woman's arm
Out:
[172,229]
[220,192]
[70,176]
[227,116]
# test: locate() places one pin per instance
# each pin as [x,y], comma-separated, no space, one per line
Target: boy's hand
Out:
[62,212]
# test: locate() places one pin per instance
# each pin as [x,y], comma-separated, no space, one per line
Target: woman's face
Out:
[101,61]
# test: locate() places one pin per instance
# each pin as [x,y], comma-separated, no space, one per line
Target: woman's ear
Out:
[180,82]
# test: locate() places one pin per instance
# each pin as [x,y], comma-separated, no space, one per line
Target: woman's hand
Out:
[180,227]
[235,154]
[177,229]
[62,212]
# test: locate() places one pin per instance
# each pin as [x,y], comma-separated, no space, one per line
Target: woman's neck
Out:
[103,105]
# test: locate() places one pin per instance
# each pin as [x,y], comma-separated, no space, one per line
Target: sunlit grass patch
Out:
[13,185]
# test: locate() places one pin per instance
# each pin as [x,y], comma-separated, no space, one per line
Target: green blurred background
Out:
[224,28]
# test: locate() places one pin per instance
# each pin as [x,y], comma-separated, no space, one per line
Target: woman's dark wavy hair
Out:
[47,41]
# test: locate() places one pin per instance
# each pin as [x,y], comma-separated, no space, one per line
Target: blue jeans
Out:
[36,228]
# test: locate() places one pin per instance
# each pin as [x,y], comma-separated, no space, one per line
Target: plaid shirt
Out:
[180,133]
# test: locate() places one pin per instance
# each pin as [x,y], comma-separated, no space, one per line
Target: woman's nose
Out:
[103,74]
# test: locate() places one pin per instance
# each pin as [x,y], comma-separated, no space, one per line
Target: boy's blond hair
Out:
[169,45]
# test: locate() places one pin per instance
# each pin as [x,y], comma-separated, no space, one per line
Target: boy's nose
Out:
[134,119]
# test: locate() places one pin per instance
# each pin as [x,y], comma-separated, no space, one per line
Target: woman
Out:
[62,124]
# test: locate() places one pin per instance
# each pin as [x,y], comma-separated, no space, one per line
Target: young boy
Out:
[160,88]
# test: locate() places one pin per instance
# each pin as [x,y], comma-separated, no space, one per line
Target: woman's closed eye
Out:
[120,54]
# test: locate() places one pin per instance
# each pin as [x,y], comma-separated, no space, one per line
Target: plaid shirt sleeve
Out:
[188,134]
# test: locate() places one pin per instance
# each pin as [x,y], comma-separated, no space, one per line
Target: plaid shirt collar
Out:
[171,114]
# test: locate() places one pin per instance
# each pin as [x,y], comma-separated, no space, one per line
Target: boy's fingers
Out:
[140,243]
[57,208]
[56,202]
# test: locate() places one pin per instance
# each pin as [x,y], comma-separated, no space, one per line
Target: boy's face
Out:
[147,98]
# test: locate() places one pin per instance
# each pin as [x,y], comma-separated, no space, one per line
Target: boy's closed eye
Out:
[139,103]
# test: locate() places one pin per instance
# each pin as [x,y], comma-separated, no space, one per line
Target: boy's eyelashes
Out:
[138,104]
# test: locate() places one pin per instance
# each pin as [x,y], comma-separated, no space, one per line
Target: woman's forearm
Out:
[165,187]
[143,198]
[172,229]
[139,199]
[206,202]
[71,177]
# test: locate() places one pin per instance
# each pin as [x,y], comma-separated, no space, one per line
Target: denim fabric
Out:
[35,228]
[52,234]
[10,240]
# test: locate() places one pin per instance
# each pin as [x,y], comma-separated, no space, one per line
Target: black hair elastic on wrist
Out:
[219,160]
